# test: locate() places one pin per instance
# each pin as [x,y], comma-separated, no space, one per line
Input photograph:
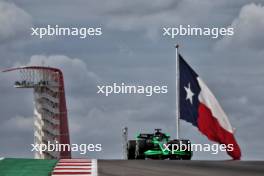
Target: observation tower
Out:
[50,111]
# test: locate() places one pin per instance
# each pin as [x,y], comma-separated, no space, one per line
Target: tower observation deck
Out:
[50,111]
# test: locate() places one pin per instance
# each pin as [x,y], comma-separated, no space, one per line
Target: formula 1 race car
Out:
[158,146]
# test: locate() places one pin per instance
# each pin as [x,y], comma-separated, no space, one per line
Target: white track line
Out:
[75,167]
[1,158]
[74,164]
[59,167]
[94,168]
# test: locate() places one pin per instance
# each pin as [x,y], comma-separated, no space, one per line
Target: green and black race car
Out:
[158,146]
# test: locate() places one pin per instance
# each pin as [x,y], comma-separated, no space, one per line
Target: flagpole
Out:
[177,92]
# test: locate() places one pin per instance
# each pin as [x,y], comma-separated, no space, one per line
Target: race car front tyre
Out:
[131,148]
[175,157]
[188,154]
[140,149]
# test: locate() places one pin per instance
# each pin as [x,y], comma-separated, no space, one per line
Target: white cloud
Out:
[20,124]
[248,29]
[147,16]
[13,21]
[151,16]
[76,74]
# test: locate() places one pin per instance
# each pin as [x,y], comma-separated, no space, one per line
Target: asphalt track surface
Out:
[181,168]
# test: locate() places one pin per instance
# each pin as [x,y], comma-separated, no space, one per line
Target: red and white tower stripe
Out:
[75,167]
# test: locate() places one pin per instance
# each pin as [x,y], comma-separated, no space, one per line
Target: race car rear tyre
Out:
[131,148]
[175,157]
[140,149]
[177,143]
[186,157]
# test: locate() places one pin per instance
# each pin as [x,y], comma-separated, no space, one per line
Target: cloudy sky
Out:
[133,50]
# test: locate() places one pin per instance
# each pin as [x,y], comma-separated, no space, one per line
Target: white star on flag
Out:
[189,93]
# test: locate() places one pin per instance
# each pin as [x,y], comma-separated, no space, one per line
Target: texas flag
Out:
[199,107]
